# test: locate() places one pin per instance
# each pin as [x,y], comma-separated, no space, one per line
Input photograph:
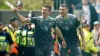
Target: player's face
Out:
[63,11]
[85,2]
[45,11]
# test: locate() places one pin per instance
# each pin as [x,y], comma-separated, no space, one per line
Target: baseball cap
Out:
[96,22]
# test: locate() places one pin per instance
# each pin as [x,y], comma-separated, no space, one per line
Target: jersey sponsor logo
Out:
[46,28]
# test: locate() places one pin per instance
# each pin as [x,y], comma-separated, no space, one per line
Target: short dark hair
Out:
[13,19]
[47,6]
[63,5]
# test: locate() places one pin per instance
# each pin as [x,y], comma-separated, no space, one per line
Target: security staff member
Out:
[11,28]
[5,41]
[25,40]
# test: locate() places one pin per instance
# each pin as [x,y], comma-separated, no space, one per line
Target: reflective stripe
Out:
[2,38]
[23,41]
[24,33]
[18,32]
[30,39]
[3,44]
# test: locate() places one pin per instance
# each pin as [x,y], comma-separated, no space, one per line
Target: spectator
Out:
[96,33]
[72,5]
[89,12]
[93,2]
[97,7]
[19,5]
[90,48]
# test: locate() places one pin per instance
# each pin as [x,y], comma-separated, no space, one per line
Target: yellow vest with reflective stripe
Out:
[23,40]
[4,46]
[18,35]
[31,39]
[11,33]
[89,42]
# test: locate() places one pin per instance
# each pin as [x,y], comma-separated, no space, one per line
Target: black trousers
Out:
[13,54]
[3,53]
[26,51]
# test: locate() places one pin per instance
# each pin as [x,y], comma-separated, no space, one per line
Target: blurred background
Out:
[37,4]
[27,4]
[31,5]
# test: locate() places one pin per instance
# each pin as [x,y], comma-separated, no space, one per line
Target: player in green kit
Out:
[68,24]
[44,42]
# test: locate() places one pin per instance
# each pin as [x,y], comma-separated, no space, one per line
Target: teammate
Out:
[68,25]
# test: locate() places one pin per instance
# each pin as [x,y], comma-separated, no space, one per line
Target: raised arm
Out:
[20,17]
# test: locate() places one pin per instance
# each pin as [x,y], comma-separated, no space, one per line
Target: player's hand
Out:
[14,9]
[63,44]
[83,44]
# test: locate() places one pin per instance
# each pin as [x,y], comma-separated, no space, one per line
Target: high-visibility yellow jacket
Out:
[9,30]
[25,37]
[89,42]
[4,45]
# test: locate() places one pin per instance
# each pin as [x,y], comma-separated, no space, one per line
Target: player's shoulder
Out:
[58,17]
[51,18]
[72,16]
